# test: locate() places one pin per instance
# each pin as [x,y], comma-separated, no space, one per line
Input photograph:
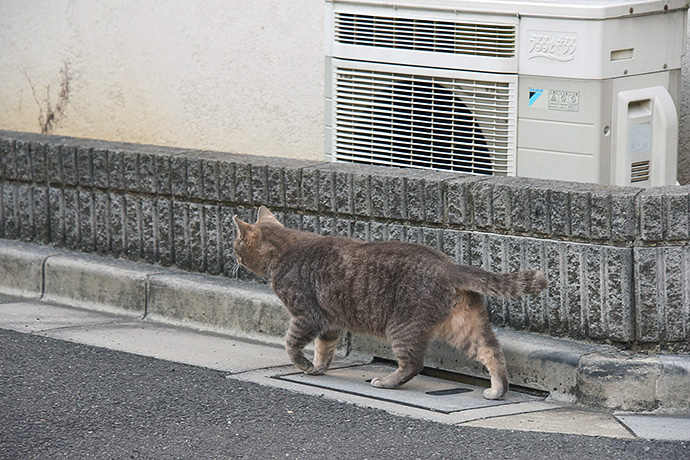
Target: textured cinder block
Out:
[482,205]
[652,220]
[647,280]
[580,213]
[212,239]
[535,258]
[395,198]
[181,235]
[56,208]
[101,172]
[677,203]
[343,193]
[559,212]
[131,171]
[379,206]
[84,167]
[624,226]
[520,208]
[276,188]
[259,182]
[69,165]
[102,222]
[292,179]
[227,237]
[25,214]
[23,171]
[556,273]
[540,214]
[595,292]
[310,189]
[38,162]
[117,224]
[147,173]
[149,230]
[132,227]
[572,319]
[178,176]
[416,197]
[87,221]
[619,294]
[164,235]
[211,188]
[54,164]
[195,176]
[361,194]
[71,216]
[7,159]
[676,262]
[243,180]
[501,213]
[196,237]
[116,170]
[434,212]
[325,191]
[41,215]
[226,181]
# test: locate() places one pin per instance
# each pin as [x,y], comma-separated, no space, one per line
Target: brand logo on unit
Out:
[554,46]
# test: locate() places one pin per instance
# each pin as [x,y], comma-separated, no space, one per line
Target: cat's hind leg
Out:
[324,350]
[468,329]
[409,350]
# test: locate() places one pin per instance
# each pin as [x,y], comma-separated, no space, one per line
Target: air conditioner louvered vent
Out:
[469,38]
[639,171]
[424,121]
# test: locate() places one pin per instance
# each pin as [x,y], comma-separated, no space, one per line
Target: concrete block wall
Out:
[617,258]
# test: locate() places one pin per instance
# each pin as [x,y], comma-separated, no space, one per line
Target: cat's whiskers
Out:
[234,272]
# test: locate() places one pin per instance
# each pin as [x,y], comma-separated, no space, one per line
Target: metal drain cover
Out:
[422,392]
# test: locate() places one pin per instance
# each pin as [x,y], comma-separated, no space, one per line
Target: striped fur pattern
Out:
[404,292]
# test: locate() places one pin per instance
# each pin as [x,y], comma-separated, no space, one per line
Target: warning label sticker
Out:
[564,101]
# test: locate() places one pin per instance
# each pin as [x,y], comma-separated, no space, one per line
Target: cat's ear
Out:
[243,228]
[267,217]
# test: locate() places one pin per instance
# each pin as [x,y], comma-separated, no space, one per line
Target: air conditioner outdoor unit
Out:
[559,89]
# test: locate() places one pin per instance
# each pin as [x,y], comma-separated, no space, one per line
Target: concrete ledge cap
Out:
[99,283]
[21,268]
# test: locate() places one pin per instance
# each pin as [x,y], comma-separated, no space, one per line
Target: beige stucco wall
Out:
[232,75]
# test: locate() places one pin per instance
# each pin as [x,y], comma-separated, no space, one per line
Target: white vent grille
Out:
[420,121]
[469,38]
[639,171]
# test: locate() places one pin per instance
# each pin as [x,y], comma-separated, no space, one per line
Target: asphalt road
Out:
[60,400]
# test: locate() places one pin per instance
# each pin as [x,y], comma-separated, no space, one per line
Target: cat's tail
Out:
[500,284]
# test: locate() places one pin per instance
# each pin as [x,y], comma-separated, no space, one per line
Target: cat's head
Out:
[253,247]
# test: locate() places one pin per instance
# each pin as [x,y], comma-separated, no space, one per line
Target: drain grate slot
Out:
[448,392]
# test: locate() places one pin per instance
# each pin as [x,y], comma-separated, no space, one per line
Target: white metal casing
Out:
[414,83]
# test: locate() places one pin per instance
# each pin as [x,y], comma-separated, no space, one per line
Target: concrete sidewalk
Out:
[236,327]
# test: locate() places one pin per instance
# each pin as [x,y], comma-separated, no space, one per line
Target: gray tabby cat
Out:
[405,292]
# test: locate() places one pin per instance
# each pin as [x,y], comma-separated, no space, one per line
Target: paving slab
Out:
[33,317]
[176,344]
[274,377]
[423,392]
[561,420]
[658,427]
